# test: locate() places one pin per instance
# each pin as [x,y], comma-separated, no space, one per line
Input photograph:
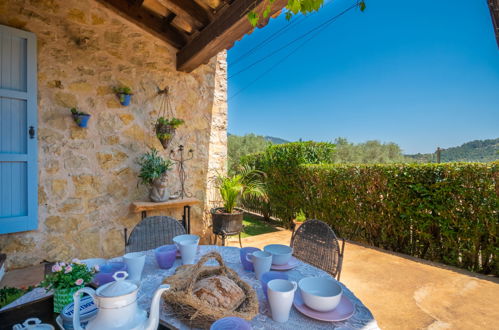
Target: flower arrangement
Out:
[68,275]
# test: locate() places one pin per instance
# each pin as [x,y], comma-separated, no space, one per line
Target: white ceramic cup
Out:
[188,247]
[261,262]
[135,264]
[281,294]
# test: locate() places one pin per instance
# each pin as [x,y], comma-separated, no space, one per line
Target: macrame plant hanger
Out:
[164,131]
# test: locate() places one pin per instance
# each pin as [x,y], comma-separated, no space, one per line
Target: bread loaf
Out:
[219,291]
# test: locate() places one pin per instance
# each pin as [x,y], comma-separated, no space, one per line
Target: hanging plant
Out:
[80,118]
[166,125]
[166,128]
[125,94]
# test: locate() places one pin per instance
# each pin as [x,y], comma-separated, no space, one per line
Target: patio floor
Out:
[402,292]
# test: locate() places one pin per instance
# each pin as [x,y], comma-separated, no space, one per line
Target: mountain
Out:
[473,151]
[275,140]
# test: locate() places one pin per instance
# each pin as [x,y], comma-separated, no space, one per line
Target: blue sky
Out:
[420,73]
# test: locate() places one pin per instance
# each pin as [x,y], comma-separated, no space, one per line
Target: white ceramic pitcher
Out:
[117,302]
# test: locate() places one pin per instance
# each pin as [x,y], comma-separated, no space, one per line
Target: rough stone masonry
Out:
[88,176]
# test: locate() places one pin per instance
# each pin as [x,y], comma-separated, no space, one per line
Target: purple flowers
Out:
[56,268]
[68,269]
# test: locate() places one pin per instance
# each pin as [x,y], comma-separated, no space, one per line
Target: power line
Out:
[276,34]
[330,21]
[319,27]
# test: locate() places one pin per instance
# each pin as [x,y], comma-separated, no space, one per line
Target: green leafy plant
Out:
[248,182]
[173,122]
[153,166]
[293,7]
[68,275]
[9,294]
[300,216]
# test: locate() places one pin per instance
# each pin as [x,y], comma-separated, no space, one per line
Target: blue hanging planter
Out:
[125,99]
[81,119]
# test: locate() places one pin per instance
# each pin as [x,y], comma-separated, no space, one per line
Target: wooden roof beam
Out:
[147,20]
[229,25]
[189,11]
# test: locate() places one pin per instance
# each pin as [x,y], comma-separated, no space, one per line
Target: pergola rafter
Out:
[199,29]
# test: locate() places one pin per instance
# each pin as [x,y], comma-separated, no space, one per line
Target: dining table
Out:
[153,276]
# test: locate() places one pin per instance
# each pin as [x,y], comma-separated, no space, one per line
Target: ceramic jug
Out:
[117,303]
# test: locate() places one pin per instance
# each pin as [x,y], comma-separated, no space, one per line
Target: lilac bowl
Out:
[106,272]
[269,276]
[242,253]
[231,323]
[165,256]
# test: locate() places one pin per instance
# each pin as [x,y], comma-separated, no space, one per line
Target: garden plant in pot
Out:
[80,118]
[228,219]
[166,128]
[125,94]
[65,280]
[153,173]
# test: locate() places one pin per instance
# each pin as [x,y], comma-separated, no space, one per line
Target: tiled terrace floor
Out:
[401,292]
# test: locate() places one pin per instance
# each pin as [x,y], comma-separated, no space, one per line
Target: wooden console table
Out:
[186,203]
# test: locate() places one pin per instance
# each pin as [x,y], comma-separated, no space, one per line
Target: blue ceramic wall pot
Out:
[81,119]
[125,99]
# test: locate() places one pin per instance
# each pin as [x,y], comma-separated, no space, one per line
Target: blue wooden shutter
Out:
[18,112]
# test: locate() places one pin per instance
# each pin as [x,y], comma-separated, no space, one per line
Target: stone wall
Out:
[88,177]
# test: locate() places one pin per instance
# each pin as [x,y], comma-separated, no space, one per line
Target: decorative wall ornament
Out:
[181,168]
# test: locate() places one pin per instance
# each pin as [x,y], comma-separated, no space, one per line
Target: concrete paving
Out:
[402,292]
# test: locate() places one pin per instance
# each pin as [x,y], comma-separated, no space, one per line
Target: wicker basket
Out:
[196,312]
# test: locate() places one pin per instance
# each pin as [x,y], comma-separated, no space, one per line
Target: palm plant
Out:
[246,183]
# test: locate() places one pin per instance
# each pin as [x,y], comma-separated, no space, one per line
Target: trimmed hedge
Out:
[447,213]
[284,159]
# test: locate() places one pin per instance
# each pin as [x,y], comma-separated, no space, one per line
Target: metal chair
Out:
[152,232]
[316,243]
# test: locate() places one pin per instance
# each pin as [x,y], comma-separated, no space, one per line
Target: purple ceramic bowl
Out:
[165,256]
[269,276]
[231,323]
[242,253]
[106,272]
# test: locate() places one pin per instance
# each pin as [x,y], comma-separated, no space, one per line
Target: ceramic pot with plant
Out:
[65,280]
[125,95]
[80,118]
[228,219]
[166,128]
[153,173]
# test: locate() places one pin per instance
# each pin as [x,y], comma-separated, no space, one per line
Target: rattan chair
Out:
[316,243]
[152,232]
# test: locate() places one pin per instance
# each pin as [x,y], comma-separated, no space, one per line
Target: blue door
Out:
[18,127]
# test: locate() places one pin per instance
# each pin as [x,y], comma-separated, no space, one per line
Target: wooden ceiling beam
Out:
[189,11]
[147,20]
[229,25]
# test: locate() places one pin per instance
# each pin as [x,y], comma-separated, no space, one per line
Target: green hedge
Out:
[284,159]
[447,213]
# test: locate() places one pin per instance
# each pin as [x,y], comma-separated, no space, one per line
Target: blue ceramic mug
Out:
[242,253]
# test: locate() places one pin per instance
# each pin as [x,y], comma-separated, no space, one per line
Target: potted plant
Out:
[228,219]
[166,128]
[153,173]
[80,118]
[125,94]
[65,280]
[300,218]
